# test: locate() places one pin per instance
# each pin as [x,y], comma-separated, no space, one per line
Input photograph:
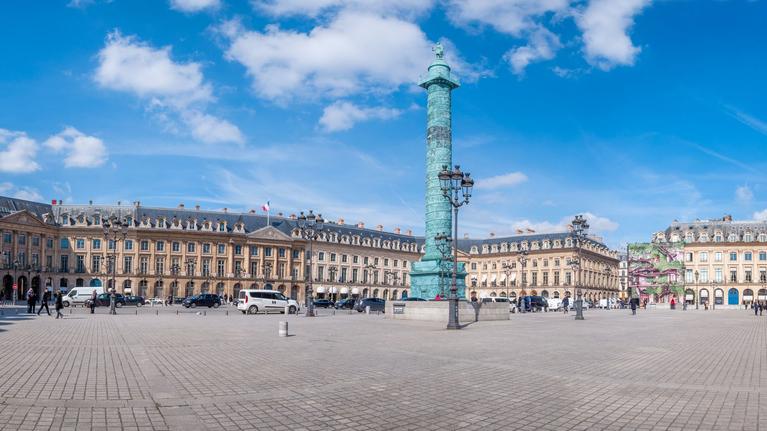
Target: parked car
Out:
[251,301]
[103,300]
[178,299]
[375,304]
[323,303]
[347,304]
[202,300]
[138,301]
[501,299]
[80,295]
[533,303]
[155,301]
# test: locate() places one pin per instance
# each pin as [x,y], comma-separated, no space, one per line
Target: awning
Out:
[355,291]
[493,278]
[704,293]
[513,276]
[320,289]
[503,277]
[748,297]
[484,278]
[344,290]
[333,289]
[689,297]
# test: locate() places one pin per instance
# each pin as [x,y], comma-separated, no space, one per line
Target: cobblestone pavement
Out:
[702,370]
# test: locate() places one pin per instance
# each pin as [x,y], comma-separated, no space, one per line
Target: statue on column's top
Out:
[438,50]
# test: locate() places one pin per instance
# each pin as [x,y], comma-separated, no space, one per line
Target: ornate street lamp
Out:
[697,289]
[608,272]
[114,230]
[579,228]
[310,226]
[445,247]
[456,188]
[522,258]
[507,269]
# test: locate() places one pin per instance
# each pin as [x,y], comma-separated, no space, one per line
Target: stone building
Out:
[183,251]
[539,264]
[725,261]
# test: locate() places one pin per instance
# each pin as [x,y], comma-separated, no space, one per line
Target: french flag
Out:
[265,207]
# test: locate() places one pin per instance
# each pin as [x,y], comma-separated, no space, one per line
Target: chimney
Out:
[341,220]
[361,225]
[197,207]
[293,217]
[396,230]
[492,234]
[727,217]
[279,214]
[181,205]
[90,202]
[409,232]
[379,228]
[137,203]
[252,212]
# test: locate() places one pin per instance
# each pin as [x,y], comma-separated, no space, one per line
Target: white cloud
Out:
[210,129]
[597,224]
[26,193]
[17,152]
[194,5]
[346,56]
[514,17]
[502,181]
[605,24]
[312,8]
[82,151]
[342,115]
[760,215]
[749,120]
[175,92]
[542,45]
[744,194]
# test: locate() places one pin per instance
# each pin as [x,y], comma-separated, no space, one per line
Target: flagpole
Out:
[268,212]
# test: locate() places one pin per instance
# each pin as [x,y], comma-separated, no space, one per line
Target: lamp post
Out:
[507,269]
[368,278]
[608,272]
[522,258]
[456,188]
[332,290]
[445,247]
[191,263]
[16,266]
[697,289]
[579,228]
[174,270]
[114,230]
[713,292]
[310,226]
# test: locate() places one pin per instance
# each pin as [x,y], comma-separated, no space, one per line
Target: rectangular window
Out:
[688,276]
[128,264]
[386,262]
[733,276]
[253,269]
[253,250]
[748,276]
[762,256]
[35,241]
[332,257]
[396,263]
[568,279]
[556,277]
[49,262]
[365,260]
[343,276]
[704,256]
[111,244]
[159,265]
[474,266]
[281,270]
[79,243]
[717,275]
[22,239]
[267,251]
[545,278]
[206,248]
[320,273]
[221,248]
[190,247]
[175,247]
[344,258]
[96,244]
[733,256]
[96,263]
[143,265]
[748,256]
[296,254]
[762,276]
[238,250]
[535,279]
[281,252]
[205,267]
[220,267]
[64,263]
[144,245]
[159,246]
[718,256]
[80,266]
[321,256]
[688,257]
[355,259]
[49,242]
[704,275]
[128,244]
[354,275]
[7,237]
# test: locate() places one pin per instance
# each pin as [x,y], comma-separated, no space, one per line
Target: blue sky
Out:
[635,112]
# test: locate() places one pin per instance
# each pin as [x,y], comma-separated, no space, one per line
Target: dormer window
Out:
[222,227]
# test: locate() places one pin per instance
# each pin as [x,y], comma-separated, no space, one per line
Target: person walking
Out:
[93,301]
[762,304]
[59,305]
[634,306]
[30,301]
[756,308]
[673,303]
[44,302]
[566,305]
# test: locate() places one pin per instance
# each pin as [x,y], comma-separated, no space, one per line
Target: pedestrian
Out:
[59,305]
[93,301]
[673,303]
[44,302]
[756,308]
[762,304]
[473,297]
[30,301]
[634,306]
[566,304]
[439,298]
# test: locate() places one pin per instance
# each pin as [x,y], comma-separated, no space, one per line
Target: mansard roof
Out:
[10,205]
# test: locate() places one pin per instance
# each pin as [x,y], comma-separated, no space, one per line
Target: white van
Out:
[252,301]
[78,295]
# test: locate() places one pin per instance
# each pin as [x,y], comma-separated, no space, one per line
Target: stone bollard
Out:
[156,312]
[136,311]
[227,312]
[287,310]
[204,313]
[334,311]
[283,329]
[367,309]
[70,311]
[176,312]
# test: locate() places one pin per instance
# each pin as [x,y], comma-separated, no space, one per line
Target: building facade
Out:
[725,261]
[181,252]
[542,264]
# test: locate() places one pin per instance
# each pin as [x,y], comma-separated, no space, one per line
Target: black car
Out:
[138,301]
[202,300]
[323,303]
[533,303]
[375,304]
[103,300]
[344,304]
